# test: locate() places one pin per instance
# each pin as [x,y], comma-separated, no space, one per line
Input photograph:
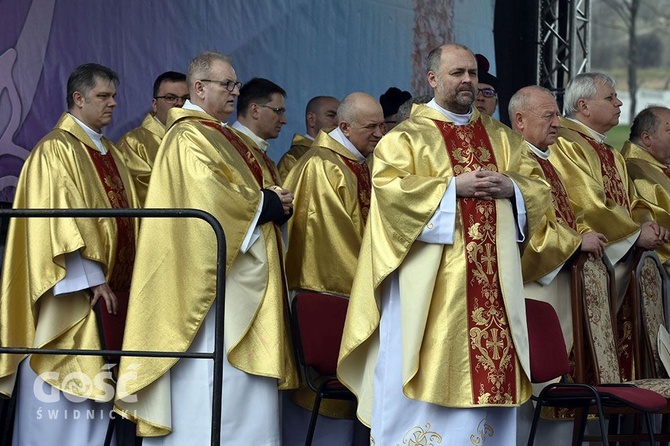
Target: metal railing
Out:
[216,355]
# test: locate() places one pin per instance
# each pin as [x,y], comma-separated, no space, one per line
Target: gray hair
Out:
[405,109]
[583,86]
[201,64]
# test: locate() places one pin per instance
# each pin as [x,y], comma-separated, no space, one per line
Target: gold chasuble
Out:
[597,182]
[598,185]
[64,171]
[652,183]
[463,322]
[332,200]
[139,147]
[299,146]
[557,239]
[204,165]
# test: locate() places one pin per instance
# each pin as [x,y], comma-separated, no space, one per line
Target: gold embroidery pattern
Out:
[492,354]
[483,430]
[418,436]
[559,196]
[612,184]
[364,184]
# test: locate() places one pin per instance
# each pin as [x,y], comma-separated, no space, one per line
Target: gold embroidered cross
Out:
[495,343]
[489,259]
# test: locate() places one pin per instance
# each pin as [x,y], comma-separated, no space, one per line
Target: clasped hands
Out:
[484,184]
[286,197]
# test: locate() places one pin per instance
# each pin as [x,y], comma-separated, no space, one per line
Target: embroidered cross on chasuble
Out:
[559,196]
[364,185]
[114,324]
[492,356]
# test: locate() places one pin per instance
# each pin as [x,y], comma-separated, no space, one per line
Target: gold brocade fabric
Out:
[326,229]
[652,183]
[576,160]
[174,278]
[139,147]
[556,241]
[411,171]
[299,146]
[60,174]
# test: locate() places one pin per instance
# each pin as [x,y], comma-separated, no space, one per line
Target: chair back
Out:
[319,322]
[548,355]
[593,304]
[649,285]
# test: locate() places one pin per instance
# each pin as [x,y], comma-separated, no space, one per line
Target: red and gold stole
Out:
[114,324]
[559,196]
[612,184]
[614,190]
[493,362]
[362,172]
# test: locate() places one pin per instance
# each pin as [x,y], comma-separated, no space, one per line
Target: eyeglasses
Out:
[278,111]
[488,92]
[228,85]
[172,99]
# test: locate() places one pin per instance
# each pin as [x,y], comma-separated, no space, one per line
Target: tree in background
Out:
[641,50]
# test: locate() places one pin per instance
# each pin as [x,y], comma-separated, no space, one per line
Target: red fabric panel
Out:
[321,322]
[548,354]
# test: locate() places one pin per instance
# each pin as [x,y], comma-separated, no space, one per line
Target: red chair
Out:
[549,360]
[318,322]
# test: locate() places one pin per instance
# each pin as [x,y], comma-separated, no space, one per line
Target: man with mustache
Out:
[261,113]
[599,186]
[435,343]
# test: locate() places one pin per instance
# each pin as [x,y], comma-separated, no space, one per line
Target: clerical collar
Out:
[595,135]
[188,105]
[338,136]
[539,152]
[260,142]
[456,118]
[310,137]
[95,136]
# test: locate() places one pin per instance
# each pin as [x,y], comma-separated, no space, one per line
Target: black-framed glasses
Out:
[228,85]
[278,111]
[488,92]
[172,99]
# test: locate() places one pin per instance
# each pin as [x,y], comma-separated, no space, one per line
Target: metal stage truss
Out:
[216,355]
[564,42]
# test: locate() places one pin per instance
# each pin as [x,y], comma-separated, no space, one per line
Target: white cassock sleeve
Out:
[440,228]
[80,274]
[254,231]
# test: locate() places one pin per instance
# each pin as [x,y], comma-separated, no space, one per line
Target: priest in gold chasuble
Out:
[647,156]
[547,257]
[598,185]
[140,145]
[56,269]
[203,164]
[320,113]
[435,344]
[332,189]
